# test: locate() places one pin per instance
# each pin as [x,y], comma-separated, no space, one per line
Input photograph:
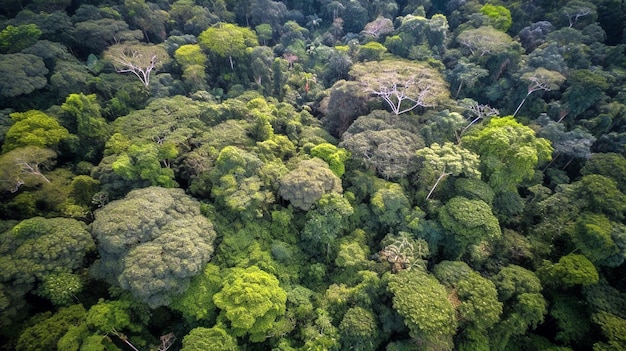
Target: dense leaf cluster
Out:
[312,175]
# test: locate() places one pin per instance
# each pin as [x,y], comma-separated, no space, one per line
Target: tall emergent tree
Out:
[137,58]
[152,243]
[228,40]
[403,85]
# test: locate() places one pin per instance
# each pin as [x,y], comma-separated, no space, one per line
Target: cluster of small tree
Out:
[312,175]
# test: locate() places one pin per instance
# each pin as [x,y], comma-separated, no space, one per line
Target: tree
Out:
[509,152]
[384,143]
[215,338]
[499,16]
[23,166]
[610,165]
[484,41]
[33,128]
[21,74]
[196,303]
[48,328]
[592,236]
[403,85]
[449,159]
[98,34]
[138,59]
[91,127]
[359,329]
[523,304]
[466,73]
[422,301]
[585,88]
[228,40]
[571,270]
[326,221]
[334,156]
[540,79]
[478,308]
[251,301]
[15,39]
[470,221]
[308,182]
[152,242]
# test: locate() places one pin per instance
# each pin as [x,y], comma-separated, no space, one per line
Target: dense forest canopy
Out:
[312,175]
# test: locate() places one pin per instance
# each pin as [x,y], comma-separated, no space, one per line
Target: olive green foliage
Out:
[471,222]
[24,166]
[570,270]
[422,301]
[403,85]
[34,128]
[214,338]
[60,288]
[152,243]
[197,302]
[312,175]
[251,300]
[38,247]
[227,40]
[509,152]
[306,184]
[47,328]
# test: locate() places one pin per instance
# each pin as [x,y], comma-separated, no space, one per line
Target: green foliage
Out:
[470,221]
[423,303]
[215,338]
[334,156]
[152,243]
[17,38]
[60,288]
[592,236]
[21,74]
[308,182]
[326,221]
[227,40]
[197,302]
[499,16]
[33,128]
[571,270]
[108,316]
[38,247]
[509,152]
[251,300]
[145,163]
[359,330]
[48,328]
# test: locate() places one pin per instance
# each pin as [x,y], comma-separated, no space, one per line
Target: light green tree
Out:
[34,128]
[228,40]
[215,338]
[250,302]
[509,152]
